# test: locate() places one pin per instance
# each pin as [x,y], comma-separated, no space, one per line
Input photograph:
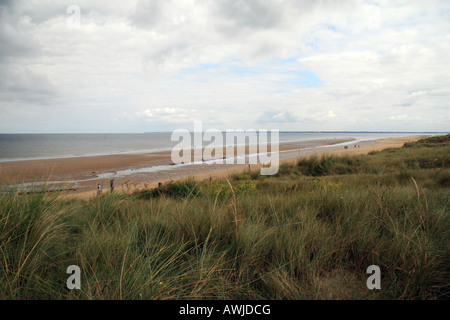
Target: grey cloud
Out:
[224,16]
[149,13]
[170,21]
[14,43]
[41,14]
[18,48]
[37,12]
[252,14]
[165,16]
[6,4]
[248,29]
[21,84]
[42,11]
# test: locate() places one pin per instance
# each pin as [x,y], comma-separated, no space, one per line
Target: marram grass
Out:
[310,232]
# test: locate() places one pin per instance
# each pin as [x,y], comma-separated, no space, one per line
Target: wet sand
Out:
[82,174]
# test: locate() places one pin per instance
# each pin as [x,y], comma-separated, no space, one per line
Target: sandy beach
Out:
[82,174]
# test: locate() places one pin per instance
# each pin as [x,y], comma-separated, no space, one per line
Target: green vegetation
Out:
[310,232]
[182,189]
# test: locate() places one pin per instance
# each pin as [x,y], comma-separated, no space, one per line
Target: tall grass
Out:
[33,245]
[309,232]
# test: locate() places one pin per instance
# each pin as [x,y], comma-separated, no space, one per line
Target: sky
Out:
[159,65]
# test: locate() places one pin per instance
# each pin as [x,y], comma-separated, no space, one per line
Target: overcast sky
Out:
[159,65]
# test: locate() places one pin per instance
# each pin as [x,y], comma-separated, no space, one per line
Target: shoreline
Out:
[88,171]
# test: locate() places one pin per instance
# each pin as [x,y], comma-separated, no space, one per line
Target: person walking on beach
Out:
[99,189]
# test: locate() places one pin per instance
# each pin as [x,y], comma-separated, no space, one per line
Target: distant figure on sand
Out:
[99,189]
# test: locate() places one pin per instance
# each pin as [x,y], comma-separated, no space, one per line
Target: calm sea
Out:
[45,146]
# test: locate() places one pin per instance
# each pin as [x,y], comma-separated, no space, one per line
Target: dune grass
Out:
[310,232]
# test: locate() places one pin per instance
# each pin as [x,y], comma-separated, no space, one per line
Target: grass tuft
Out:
[310,232]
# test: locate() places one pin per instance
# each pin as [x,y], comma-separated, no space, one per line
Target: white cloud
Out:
[159,65]
[173,115]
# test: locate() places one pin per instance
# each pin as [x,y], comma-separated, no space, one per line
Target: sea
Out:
[16,147]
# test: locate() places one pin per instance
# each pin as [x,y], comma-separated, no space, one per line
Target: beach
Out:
[81,175]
